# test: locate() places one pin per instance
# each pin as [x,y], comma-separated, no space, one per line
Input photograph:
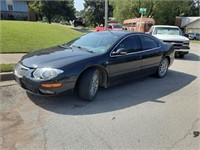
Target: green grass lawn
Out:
[6,67]
[195,41]
[24,36]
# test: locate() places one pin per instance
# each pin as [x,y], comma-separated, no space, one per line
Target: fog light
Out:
[46,91]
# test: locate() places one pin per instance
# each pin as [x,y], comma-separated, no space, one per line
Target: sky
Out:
[78,4]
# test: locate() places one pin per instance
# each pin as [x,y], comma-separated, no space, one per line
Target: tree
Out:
[94,12]
[130,8]
[52,9]
[164,12]
[36,6]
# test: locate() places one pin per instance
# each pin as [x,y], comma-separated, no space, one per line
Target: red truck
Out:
[111,26]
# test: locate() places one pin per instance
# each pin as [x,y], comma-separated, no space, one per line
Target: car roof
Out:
[118,33]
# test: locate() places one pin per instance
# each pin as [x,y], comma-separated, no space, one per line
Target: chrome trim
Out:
[20,70]
[181,50]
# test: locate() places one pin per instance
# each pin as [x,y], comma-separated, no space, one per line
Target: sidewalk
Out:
[10,58]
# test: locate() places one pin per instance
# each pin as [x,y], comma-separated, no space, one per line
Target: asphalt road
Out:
[149,113]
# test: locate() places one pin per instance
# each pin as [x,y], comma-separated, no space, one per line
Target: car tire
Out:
[163,68]
[89,84]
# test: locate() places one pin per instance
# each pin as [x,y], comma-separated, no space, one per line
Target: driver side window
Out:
[130,44]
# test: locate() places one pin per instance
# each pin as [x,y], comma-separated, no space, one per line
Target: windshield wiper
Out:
[82,48]
[63,46]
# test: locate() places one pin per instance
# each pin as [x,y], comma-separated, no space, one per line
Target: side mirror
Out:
[120,51]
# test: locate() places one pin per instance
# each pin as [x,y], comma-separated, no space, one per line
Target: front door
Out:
[128,64]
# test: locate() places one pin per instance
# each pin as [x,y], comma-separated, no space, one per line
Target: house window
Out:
[10,5]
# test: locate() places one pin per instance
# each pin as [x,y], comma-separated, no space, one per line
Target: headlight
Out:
[186,42]
[46,73]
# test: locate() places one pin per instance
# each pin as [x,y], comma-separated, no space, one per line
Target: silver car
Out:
[194,36]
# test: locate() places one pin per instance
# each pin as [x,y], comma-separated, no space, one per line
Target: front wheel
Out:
[163,68]
[89,84]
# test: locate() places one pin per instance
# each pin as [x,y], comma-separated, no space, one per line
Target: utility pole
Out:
[199,6]
[106,15]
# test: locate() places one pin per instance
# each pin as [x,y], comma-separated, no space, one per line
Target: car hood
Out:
[167,37]
[54,57]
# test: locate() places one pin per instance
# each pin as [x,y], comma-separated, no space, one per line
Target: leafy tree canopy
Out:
[52,9]
[164,12]
[94,12]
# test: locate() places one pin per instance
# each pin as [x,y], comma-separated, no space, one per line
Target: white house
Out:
[190,24]
[14,9]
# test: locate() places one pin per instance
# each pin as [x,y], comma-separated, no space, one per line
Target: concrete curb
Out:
[6,76]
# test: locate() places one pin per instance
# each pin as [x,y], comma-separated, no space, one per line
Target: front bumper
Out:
[182,49]
[36,88]
[23,77]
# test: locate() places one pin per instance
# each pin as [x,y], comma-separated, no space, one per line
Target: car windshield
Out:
[94,42]
[167,30]
[117,26]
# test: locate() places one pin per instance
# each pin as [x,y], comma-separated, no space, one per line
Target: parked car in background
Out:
[79,22]
[172,35]
[93,60]
[194,36]
[111,26]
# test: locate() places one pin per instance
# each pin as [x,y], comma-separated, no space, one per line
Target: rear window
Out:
[117,26]
[148,43]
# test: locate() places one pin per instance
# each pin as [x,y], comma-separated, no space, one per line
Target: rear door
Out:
[151,54]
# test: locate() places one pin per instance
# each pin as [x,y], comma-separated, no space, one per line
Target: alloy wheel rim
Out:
[94,85]
[163,67]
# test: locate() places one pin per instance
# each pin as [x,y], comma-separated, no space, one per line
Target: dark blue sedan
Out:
[93,60]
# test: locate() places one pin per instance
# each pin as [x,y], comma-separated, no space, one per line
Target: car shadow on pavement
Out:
[190,57]
[117,97]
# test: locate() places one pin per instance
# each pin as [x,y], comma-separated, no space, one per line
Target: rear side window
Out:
[148,43]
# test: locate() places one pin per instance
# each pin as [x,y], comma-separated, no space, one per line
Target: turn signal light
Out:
[53,85]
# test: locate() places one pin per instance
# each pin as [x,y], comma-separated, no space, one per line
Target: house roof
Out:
[187,20]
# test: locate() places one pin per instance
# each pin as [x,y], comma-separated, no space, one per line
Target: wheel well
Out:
[168,58]
[103,76]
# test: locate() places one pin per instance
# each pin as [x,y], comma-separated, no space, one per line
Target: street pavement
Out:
[150,113]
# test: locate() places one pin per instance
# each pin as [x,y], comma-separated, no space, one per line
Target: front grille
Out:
[20,70]
[176,44]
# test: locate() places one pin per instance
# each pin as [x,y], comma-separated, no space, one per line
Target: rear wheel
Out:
[163,68]
[89,84]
